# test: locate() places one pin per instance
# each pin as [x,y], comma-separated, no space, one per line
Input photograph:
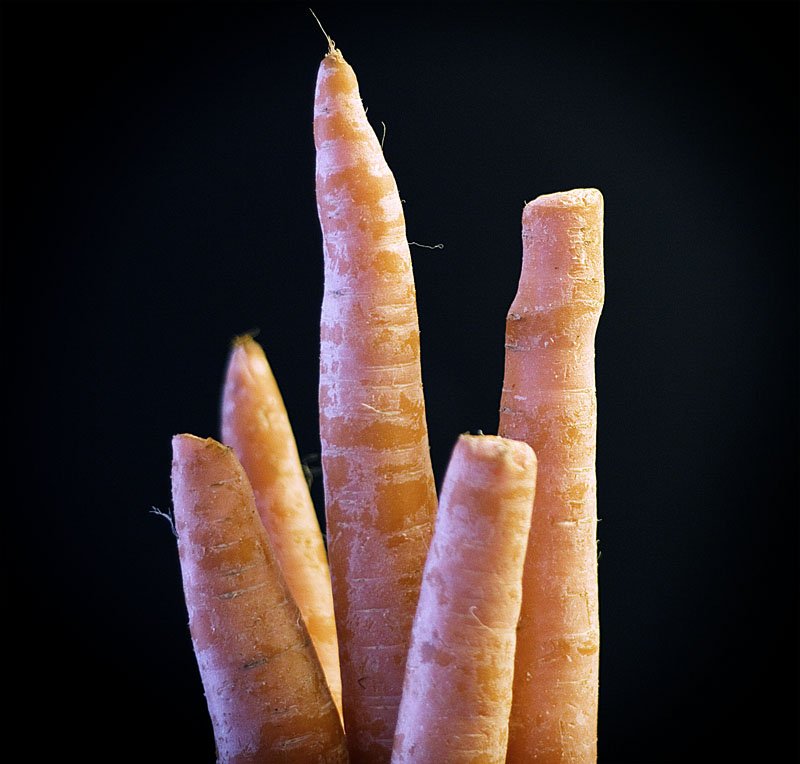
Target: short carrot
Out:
[255,424]
[549,402]
[459,673]
[264,685]
[380,494]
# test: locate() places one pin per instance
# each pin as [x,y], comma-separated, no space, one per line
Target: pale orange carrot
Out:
[264,685]
[549,402]
[255,424]
[459,673]
[379,491]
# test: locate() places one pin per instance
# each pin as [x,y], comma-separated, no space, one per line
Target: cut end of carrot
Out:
[577,197]
[184,444]
[503,453]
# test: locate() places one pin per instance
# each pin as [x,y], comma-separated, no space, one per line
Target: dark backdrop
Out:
[158,198]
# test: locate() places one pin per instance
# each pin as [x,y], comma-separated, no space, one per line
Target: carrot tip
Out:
[245,338]
[247,356]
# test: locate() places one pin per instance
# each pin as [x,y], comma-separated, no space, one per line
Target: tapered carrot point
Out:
[549,402]
[459,674]
[265,689]
[255,424]
[380,497]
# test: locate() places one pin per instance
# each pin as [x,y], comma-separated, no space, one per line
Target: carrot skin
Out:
[549,401]
[255,424]
[380,495]
[264,686]
[459,674]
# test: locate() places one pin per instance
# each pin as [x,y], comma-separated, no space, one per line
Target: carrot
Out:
[459,673]
[255,424]
[549,402]
[264,686]
[380,495]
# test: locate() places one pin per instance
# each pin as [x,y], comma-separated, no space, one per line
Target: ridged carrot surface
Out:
[459,673]
[255,424]
[549,401]
[264,686]
[380,494]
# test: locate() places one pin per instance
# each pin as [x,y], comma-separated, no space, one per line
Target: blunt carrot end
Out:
[187,449]
[577,197]
[501,453]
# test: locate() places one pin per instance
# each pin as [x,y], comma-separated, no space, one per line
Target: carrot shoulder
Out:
[459,673]
[264,686]
[549,402]
[379,490]
[255,424]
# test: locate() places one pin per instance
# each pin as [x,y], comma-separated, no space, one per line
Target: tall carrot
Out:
[549,402]
[264,686]
[255,424]
[459,673]
[379,491]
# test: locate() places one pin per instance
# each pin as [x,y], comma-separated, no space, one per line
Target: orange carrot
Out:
[264,685]
[255,424]
[549,402]
[459,673]
[379,490]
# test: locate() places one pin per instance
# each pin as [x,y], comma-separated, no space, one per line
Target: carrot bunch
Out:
[463,633]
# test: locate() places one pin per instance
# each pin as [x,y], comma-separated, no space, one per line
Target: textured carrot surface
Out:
[264,685]
[459,673]
[255,424]
[549,402]
[380,495]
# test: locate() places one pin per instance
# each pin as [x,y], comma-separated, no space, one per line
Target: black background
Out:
[158,198]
